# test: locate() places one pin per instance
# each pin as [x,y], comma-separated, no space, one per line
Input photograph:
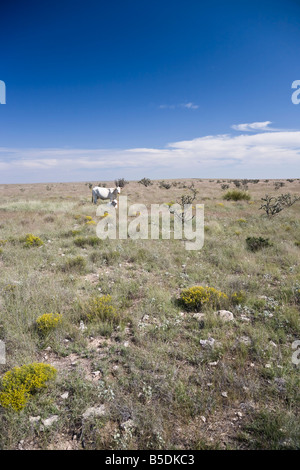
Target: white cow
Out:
[105,193]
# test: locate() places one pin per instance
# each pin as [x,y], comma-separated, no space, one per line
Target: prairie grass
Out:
[142,359]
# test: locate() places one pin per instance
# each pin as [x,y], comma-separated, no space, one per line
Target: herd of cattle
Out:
[106,193]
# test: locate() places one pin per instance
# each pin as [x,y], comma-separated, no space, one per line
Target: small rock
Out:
[126,344]
[49,421]
[96,373]
[224,394]
[203,419]
[127,425]
[65,395]
[82,326]
[245,318]
[199,316]
[215,363]
[207,342]
[225,315]
[94,411]
[246,340]
[34,419]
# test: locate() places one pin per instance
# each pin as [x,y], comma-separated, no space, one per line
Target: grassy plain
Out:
[141,365]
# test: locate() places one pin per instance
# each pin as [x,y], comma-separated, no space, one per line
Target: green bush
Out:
[74,264]
[236,195]
[101,308]
[257,243]
[90,241]
[238,298]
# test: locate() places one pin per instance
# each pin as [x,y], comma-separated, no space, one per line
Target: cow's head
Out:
[118,189]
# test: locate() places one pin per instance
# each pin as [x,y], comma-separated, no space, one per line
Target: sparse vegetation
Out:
[140,342]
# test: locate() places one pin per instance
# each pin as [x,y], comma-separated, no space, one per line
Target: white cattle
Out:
[105,193]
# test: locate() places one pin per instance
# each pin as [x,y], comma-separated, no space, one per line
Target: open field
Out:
[138,377]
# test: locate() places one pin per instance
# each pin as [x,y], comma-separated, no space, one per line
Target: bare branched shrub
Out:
[121,182]
[279,184]
[146,182]
[185,202]
[164,185]
[273,205]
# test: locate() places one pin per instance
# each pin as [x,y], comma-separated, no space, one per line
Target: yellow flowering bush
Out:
[194,298]
[48,322]
[101,308]
[18,384]
[3,242]
[32,240]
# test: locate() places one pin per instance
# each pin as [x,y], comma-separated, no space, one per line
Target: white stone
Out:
[49,421]
[94,411]
[207,342]
[225,315]
[34,419]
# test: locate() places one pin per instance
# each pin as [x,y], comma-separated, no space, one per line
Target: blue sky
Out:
[97,90]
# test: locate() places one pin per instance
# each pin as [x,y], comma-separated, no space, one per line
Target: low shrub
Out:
[146,182]
[31,240]
[238,298]
[48,322]
[194,298]
[101,308]
[20,383]
[121,182]
[164,185]
[90,241]
[257,243]
[74,264]
[236,195]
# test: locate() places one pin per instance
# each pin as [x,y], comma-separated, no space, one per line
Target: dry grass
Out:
[151,370]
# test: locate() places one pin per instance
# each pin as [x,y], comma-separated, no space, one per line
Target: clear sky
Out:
[98,90]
